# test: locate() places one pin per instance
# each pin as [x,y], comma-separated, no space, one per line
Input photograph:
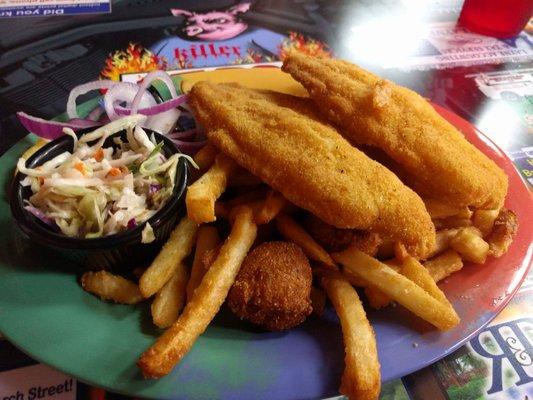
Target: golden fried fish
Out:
[440,162]
[310,163]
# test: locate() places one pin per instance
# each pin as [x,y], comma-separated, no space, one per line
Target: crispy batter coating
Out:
[376,112]
[334,239]
[311,164]
[503,233]
[273,288]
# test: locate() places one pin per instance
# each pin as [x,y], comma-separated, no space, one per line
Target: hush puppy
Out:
[273,287]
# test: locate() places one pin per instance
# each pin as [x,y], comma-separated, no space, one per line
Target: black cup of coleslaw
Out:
[121,252]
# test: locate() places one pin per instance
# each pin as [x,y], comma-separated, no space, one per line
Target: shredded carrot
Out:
[81,167]
[114,172]
[99,154]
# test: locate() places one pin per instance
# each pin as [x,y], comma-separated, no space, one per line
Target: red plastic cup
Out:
[497,18]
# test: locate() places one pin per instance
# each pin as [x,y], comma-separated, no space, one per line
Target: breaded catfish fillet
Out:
[311,164]
[376,112]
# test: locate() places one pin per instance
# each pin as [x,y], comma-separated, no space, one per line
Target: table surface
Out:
[489,82]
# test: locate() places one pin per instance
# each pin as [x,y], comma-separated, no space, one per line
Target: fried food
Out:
[207,239]
[271,207]
[331,178]
[503,233]
[361,379]
[205,157]
[469,243]
[438,209]
[177,340]
[273,287]
[202,194]
[484,220]
[293,232]
[170,300]
[169,259]
[444,265]
[376,112]
[398,288]
[112,287]
[413,270]
[335,239]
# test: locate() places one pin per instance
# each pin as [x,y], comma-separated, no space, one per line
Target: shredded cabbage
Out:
[95,191]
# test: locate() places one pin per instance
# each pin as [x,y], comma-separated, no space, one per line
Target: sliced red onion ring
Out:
[52,129]
[40,215]
[82,89]
[147,81]
[184,135]
[157,109]
[125,91]
[132,223]
[189,148]
[95,114]
[164,122]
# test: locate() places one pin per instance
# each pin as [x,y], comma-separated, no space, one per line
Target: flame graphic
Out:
[306,45]
[253,57]
[134,59]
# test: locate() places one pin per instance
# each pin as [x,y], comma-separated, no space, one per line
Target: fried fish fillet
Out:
[372,111]
[310,163]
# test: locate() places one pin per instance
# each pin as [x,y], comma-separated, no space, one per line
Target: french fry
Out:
[203,193]
[170,300]
[205,157]
[484,220]
[438,209]
[444,265]
[412,269]
[318,300]
[207,239]
[376,298]
[400,251]
[503,233]
[293,232]
[209,296]
[443,239]
[271,207]
[361,378]
[469,243]
[397,287]
[111,287]
[177,247]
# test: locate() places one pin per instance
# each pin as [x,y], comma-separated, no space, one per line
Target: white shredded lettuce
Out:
[148,235]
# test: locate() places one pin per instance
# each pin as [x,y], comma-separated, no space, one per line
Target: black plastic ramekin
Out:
[120,252]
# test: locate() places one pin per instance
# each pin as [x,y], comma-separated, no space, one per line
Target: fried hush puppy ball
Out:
[273,287]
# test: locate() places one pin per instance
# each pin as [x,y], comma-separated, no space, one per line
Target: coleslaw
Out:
[97,191]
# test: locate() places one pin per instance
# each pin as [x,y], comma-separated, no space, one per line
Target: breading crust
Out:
[376,112]
[311,164]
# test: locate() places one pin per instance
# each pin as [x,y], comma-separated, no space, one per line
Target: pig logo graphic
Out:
[214,25]
[215,38]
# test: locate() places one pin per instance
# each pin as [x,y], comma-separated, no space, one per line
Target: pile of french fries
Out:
[186,299]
